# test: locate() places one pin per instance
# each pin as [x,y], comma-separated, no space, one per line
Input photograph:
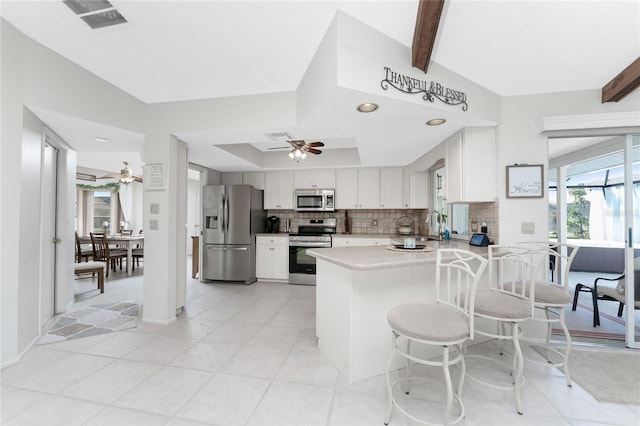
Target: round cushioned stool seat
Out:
[549,293]
[500,305]
[436,323]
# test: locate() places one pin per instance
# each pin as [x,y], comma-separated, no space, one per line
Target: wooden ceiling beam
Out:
[424,35]
[624,83]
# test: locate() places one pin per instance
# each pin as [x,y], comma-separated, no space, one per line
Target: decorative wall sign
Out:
[525,181]
[431,89]
[154,177]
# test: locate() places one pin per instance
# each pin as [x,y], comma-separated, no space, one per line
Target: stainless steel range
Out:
[312,233]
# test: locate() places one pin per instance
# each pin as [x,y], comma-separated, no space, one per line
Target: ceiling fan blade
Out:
[297,143]
[137,179]
[315,144]
[110,176]
[280,147]
[313,150]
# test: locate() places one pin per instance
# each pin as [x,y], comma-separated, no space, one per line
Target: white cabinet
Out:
[346,188]
[255,179]
[351,241]
[278,190]
[368,188]
[417,187]
[358,188]
[392,192]
[272,257]
[470,165]
[344,241]
[314,179]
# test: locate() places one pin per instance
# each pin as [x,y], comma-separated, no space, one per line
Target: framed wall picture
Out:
[525,181]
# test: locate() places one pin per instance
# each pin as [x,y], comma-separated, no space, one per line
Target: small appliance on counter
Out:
[406,225]
[273,224]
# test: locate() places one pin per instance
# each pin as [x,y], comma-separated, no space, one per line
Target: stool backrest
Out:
[559,257]
[513,271]
[458,273]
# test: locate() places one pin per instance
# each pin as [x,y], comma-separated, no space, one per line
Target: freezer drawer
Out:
[229,263]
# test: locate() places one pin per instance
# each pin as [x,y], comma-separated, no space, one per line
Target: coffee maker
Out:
[273,224]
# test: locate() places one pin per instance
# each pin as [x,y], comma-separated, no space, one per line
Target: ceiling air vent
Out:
[279,136]
[96,13]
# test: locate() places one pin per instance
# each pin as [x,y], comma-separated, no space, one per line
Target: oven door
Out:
[302,267]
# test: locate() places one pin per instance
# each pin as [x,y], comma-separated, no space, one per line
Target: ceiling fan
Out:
[125,176]
[299,149]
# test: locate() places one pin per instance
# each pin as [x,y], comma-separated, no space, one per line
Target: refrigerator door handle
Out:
[227,216]
[212,247]
[222,204]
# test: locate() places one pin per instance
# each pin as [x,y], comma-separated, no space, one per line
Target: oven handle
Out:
[309,245]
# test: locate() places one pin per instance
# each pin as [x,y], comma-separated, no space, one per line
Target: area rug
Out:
[608,375]
[91,321]
[580,323]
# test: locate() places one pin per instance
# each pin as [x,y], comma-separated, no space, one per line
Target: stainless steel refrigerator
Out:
[233,214]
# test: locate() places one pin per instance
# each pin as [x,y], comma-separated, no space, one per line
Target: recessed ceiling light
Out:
[99,139]
[436,121]
[368,107]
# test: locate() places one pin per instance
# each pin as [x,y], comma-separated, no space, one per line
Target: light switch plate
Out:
[153,224]
[527,228]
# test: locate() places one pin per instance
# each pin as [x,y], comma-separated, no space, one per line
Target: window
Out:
[101,209]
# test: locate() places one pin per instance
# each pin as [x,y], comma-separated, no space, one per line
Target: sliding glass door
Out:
[632,244]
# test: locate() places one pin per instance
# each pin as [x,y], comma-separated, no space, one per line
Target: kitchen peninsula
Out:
[356,287]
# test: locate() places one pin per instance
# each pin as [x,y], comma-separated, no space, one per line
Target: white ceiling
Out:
[185,50]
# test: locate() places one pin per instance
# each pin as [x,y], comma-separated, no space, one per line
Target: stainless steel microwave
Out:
[315,200]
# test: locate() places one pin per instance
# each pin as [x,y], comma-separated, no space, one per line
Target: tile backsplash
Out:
[384,222]
[374,221]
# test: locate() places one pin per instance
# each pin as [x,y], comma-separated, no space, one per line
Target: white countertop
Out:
[370,258]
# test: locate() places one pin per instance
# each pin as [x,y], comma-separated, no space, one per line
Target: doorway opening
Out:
[594,191]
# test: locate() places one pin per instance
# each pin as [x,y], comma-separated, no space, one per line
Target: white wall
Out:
[520,141]
[36,78]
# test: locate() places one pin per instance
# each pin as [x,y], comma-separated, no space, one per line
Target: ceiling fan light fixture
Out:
[367,107]
[436,121]
[291,155]
[126,175]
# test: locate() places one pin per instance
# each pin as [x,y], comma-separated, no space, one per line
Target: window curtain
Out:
[125,194]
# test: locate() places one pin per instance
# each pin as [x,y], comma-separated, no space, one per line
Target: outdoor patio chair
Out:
[602,291]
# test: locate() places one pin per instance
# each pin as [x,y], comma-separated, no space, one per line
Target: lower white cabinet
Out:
[339,241]
[272,257]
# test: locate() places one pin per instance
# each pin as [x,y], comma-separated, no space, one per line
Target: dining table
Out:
[122,241]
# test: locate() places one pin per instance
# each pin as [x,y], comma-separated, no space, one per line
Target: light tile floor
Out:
[245,355]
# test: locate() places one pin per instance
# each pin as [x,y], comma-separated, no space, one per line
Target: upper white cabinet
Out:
[255,179]
[392,194]
[314,178]
[417,188]
[470,165]
[278,190]
[358,188]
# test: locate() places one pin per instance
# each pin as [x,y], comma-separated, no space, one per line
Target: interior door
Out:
[193,222]
[49,239]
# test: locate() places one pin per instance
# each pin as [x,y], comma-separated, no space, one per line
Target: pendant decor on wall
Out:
[430,89]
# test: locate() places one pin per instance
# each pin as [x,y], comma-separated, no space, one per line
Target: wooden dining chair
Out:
[102,252]
[83,253]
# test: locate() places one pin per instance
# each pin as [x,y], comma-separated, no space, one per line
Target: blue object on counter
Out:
[447,235]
